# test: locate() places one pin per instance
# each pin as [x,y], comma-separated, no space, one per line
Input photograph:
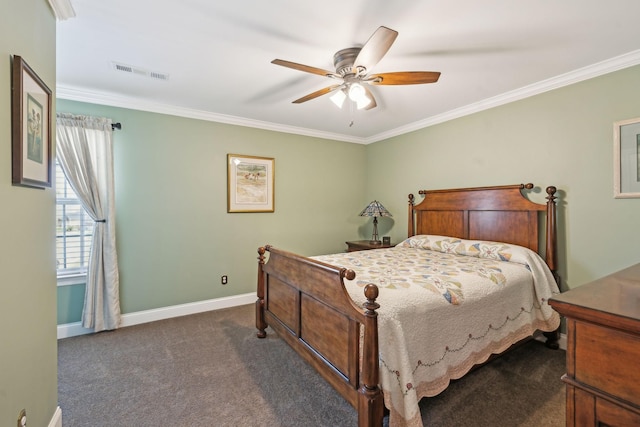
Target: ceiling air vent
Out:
[159,76]
[140,71]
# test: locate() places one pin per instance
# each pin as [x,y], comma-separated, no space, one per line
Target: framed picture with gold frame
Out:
[30,127]
[626,158]
[250,183]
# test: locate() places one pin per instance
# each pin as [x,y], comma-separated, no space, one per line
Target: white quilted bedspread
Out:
[445,305]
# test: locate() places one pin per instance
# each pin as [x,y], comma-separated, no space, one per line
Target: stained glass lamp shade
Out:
[375,209]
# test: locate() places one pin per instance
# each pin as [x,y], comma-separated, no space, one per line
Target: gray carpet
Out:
[209,369]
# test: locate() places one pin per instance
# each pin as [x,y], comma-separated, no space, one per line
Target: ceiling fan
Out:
[352,71]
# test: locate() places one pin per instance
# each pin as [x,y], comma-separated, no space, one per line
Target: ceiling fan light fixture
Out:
[356,92]
[363,102]
[338,98]
[358,95]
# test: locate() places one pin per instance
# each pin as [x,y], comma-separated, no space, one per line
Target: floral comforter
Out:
[445,305]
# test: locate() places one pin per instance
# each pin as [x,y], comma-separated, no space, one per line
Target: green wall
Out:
[28,353]
[563,137]
[175,238]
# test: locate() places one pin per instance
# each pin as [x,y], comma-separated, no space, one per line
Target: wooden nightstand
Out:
[365,245]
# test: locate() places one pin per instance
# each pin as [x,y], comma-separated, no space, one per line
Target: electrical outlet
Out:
[22,418]
[224,280]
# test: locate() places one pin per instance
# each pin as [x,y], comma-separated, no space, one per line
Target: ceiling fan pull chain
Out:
[351,114]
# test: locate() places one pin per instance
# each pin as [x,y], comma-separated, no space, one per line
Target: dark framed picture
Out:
[30,127]
[250,183]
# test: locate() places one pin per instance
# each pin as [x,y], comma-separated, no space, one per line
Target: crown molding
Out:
[601,68]
[101,98]
[605,67]
[82,95]
[62,9]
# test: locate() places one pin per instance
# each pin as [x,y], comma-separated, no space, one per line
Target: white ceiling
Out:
[217,56]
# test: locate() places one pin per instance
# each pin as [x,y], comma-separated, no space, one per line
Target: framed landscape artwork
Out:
[250,183]
[626,158]
[30,127]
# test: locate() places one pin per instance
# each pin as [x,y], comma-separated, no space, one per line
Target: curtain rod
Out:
[115,126]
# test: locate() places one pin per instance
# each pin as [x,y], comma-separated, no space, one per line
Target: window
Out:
[74,230]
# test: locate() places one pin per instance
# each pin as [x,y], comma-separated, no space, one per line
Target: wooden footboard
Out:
[306,303]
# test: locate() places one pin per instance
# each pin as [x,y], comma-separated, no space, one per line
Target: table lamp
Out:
[375,209]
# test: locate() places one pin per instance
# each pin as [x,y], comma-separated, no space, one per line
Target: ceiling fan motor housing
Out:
[343,60]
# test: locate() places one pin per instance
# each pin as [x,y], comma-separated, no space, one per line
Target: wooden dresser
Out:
[603,350]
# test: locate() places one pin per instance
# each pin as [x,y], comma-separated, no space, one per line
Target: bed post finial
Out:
[261,324]
[411,230]
[370,400]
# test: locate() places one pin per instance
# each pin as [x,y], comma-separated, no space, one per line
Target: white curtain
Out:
[85,152]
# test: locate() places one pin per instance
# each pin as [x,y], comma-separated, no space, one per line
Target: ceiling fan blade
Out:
[305,68]
[316,94]
[404,78]
[373,103]
[375,48]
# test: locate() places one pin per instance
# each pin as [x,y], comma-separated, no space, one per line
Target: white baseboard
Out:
[129,319]
[563,341]
[56,420]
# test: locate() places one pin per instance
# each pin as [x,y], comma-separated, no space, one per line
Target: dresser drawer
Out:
[610,414]
[607,359]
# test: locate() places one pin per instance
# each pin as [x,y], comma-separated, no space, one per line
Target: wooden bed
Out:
[306,303]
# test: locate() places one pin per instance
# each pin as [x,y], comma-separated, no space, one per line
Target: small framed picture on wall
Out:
[626,158]
[30,127]
[250,183]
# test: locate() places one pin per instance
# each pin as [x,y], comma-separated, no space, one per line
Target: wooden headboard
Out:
[501,214]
